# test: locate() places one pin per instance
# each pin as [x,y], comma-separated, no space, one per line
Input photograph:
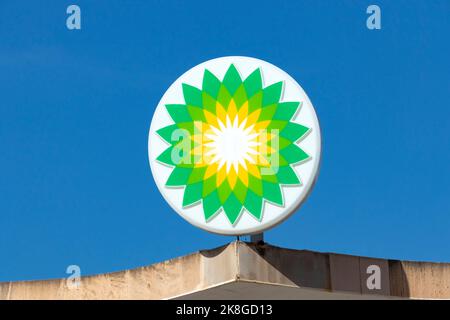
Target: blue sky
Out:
[76,106]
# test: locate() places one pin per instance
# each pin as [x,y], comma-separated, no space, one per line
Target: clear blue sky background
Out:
[76,106]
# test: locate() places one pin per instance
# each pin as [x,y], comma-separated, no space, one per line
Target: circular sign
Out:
[234,145]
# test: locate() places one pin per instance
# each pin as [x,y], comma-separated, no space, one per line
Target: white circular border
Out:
[307,171]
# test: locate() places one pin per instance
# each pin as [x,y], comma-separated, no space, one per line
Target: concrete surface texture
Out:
[242,270]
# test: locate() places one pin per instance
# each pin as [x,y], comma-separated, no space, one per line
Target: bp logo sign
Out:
[234,145]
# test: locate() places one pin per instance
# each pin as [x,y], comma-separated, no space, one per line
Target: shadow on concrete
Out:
[303,268]
[312,269]
[398,280]
[211,253]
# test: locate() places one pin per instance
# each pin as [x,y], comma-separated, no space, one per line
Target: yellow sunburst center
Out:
[232,143]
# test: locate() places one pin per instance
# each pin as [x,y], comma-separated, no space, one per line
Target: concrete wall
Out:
[240,262]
